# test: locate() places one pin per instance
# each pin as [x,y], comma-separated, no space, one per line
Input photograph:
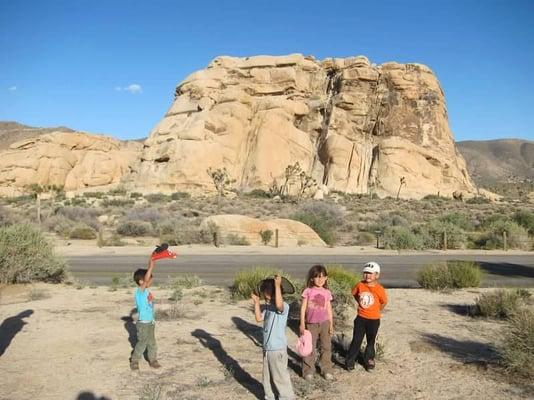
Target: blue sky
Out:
[112,66]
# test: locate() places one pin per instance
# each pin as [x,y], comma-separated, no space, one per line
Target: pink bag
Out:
[304,344]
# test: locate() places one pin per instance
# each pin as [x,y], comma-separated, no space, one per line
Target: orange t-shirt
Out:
[371,298]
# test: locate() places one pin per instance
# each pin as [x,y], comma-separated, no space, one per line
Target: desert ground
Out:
[74,342]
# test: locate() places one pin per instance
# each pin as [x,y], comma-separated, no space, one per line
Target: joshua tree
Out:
[221,180]
[402,183]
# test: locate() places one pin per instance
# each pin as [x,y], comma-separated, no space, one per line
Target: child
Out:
[316,316]
[371,298]
[274,319]
[146,339]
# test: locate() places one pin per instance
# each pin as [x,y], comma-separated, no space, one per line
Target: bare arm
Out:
[303,308]
[279,300]
[330,318]
[148,274]
[257,311]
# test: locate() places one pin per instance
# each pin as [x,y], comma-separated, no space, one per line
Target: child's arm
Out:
[330,318]
[257,311]
[383,299]
[279,300]
[148,274]
[303,308]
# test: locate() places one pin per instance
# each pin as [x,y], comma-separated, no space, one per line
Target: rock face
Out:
[290,233]
[353,126]
[72,160]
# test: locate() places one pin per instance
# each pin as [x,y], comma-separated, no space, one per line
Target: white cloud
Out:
[134,88]
[12,89]
[118,88]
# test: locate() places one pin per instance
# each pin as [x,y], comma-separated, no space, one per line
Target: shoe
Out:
[309,377]
[349,366]
[369,365]
[328,376]
[134,365]
[154,364]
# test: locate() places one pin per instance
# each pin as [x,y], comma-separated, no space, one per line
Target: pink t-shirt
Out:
[318,300]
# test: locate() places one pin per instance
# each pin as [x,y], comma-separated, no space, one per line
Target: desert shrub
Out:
[236,240]
[113,240]
[157,198]
[246,281]
[117,202]
[516,236]
[82,231]
[340,282]
[186,281]
[500,304]
[134,228]
[118,191]
[26,256]
[517,348]
[182,232]
[460,220]
[365,238]
[322,217]
[59,224]
[478,200]
[180,196]
[450,275]
[266,236]
[146,214]
[258,193]
[433,235]
[401,238]
[19,200]
[79,201]
[343,276]
[38,294]
[80,214]
[5,216]
[525,218]
[136,195]
[94,195]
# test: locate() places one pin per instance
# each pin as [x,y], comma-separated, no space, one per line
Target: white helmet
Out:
[371,267]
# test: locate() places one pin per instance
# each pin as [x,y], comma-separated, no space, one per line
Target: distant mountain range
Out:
[488,161]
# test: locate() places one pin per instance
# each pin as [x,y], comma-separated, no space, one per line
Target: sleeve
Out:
[383,296]
[355,289]
[305,293]
[285,312]
[329,296]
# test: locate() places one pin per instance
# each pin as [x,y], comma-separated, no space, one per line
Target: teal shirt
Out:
[274,328]
[145,306]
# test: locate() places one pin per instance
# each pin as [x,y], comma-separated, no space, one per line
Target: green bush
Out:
[136,195]
[516,236]
[82,231]
[94,195]
[340,282]
[157,198]
[401,238]
[26,256]
[236,240]
[324,218]
[500,304]
[114,240]
[134,228]
[525,218]
[460,220]
[434,232]
[450,275]
[344,277]
[266,236]
[517,348]
[246,281]
[258,193]
[117,202]
[180,196]
[187,281]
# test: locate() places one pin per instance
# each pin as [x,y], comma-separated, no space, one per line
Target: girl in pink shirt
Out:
[316,316]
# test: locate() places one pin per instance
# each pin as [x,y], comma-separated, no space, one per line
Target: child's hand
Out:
[277,281]
[255,298]
[331,330]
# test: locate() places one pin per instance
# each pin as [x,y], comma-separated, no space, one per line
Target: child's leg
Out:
[371,330]
[151,346]
[142,340]
[266,378]
[280,374]
[357,338]
[308,363]
[326,348]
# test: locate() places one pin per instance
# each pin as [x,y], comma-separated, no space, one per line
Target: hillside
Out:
[11,132]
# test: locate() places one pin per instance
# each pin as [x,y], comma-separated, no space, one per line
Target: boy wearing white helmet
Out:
[371,298]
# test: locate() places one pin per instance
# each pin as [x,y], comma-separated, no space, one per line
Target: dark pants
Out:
[369,329]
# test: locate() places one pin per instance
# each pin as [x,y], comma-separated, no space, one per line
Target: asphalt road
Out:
[398,271]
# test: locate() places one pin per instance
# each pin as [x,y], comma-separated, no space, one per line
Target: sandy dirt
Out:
[63,342]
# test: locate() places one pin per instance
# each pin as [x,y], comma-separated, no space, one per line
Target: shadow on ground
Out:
[10,327]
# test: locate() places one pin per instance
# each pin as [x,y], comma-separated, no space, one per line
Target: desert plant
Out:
[26,256]
[266,236]
[517,348]
[450,275]
[134,228]
[114,240]
[246,281]
[525,218]
[322,217]
[82,231]
[37,294]
[117,202]
[187,281]
[221,180]
[500,304]
[236,240]
[516,236]
[401,238]
[180,196]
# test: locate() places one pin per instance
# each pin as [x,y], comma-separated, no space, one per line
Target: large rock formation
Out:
[355,127]
[71,160]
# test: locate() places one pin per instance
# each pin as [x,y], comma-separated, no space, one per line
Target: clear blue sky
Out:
[112,66]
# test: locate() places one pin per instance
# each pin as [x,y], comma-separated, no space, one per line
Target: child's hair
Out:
[315,271]
[139,275]
[267,286]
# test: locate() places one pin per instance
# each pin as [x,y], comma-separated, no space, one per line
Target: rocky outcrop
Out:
[290,233]
[355,127]
[71,160]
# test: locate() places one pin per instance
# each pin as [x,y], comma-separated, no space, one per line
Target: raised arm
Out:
[148,274]
[257,311]
[278,299]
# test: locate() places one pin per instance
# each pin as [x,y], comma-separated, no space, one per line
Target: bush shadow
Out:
[90,396]
[230,364]
[465,351]
[10,327]
[507,269]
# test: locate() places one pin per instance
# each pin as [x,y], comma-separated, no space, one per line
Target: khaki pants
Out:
[319,331]
[275,371]
[146,340]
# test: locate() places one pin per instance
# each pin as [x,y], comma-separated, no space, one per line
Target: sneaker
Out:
[328,376]
[309,377]
[134,365]
[154,364]
[370,364]
[349,366]
[162,251]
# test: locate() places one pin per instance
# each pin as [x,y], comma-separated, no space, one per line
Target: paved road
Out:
[397,271]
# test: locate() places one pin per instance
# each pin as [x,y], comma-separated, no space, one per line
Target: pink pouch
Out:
[304,344]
